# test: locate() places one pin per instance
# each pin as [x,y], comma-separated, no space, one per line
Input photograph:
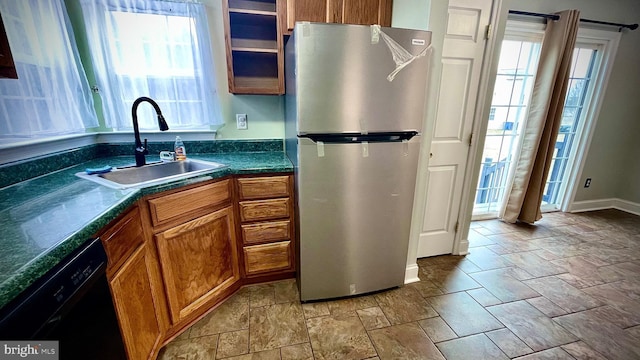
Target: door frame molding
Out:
[498,21]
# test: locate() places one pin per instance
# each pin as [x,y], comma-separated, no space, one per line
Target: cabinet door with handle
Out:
[132,293]
[199,261]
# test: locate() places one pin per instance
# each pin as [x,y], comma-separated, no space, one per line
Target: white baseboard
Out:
[411,274]
[463,248]
[611,203]
[627,206]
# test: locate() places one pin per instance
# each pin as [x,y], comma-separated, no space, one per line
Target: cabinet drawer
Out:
[264,209]
[263,187]
[169,207]
[267,257]
[266,231]
[121,239]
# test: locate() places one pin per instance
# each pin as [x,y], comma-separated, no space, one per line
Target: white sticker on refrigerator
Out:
[419,42]
[320,148]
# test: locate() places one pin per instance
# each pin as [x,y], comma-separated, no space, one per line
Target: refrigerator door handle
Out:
[348,138]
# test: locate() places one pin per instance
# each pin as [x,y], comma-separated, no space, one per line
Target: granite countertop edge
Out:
[24,277]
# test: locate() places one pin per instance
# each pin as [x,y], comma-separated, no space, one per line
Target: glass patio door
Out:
[516,71]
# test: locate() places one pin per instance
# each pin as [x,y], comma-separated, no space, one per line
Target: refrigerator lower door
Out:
[355,202]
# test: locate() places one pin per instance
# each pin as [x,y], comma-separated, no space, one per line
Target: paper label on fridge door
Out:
[419,42]
[320,148]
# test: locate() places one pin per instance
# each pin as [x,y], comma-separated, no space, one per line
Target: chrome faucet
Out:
[141,150]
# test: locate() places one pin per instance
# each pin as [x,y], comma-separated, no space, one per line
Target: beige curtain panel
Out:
[526,184]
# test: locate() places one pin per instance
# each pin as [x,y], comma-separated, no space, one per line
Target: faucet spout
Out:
[141,149]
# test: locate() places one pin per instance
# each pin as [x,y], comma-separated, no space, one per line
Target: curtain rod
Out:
[556,17]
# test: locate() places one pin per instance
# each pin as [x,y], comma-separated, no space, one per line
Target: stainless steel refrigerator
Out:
[353,134]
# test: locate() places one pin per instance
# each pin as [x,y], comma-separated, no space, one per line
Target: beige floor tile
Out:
[437,329]
[534,264]
[484,297]
[628,309]
[233,343]
[510,344]
[582,273]
[533,327]
[350,305]
[426,288]
[406,341]
[276,326]
[601,335]
[449,280]
[463,314]
[315,309]
[634,331]
[486,259]
[547,307]
[476,239]
[339,337]
[261,295]
[262,355]
[563,294]
[549,354]
[232,315]
[404,305]
[286,291]
[297,352]
[471,347]
[630,287]
[202,348]
[582,351]
[372,318]
[503,286]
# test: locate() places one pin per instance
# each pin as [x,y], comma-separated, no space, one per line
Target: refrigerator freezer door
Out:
[355,203]
[341,80]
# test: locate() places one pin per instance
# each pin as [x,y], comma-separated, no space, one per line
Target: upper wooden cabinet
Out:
[254,46]
[361,12]
[7,67]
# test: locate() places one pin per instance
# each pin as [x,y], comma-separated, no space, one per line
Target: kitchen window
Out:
[159,49]
[51,95]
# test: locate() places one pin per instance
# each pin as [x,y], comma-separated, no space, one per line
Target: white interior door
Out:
[462,56]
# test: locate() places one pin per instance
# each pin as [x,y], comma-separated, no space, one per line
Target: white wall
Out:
[612,161]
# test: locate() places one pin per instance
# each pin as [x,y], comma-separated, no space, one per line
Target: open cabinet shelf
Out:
[255,63]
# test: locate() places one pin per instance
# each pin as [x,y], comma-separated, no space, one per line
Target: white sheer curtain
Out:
[51,95]
[155,48]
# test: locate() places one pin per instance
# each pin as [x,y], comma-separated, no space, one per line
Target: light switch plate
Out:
[241,121]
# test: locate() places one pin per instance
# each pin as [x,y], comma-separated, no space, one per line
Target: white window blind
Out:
[51,95]
[159,49]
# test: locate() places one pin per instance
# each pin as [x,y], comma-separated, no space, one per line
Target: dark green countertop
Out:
[46,218]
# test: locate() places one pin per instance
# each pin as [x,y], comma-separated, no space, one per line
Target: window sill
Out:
[13,151]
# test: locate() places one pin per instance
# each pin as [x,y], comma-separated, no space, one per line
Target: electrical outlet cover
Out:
[241,121]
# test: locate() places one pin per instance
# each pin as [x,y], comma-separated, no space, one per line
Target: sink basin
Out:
[152,174]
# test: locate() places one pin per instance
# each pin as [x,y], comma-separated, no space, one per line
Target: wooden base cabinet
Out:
[136,307]
[176,254]
[136,293]
[199,261]
[266,216]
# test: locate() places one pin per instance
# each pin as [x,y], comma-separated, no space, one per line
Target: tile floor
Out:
[566,288]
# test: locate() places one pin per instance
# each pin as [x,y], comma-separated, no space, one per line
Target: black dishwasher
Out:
[71,304]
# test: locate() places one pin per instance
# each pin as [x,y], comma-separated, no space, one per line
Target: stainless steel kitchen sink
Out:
[152,174]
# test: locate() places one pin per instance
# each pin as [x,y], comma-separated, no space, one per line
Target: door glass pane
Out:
[582,68]
[514,81]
